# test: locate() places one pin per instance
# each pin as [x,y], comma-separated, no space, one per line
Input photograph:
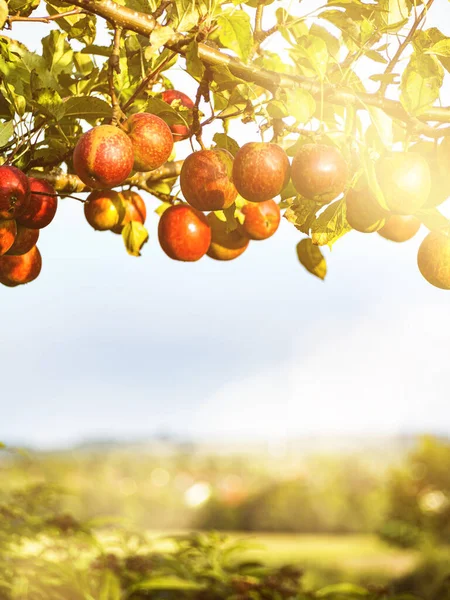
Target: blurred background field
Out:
[338,511]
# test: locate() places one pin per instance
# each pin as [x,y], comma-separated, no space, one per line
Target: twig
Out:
[114,67]
[48,19]
[150,78]
[389,69]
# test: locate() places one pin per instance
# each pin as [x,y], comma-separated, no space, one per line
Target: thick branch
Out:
[270,80]
[71,184]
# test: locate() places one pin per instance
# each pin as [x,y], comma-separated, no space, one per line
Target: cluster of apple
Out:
[26,206]
[213,181]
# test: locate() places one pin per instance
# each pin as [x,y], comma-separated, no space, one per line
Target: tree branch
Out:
[144,24]
[71,184]
[391,66]
[114,67]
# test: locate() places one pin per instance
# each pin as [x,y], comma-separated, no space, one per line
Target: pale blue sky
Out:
[106,345]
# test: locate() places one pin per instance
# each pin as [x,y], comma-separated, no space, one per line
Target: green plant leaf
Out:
[6,132]
[302,213]
[301,105]
[383,124]
[312,258]
[235,32]
[194,65]
[421,83]
[134,235]
[222,140]
[330,225]
[3,13]
[168,583]
[341,590]
[85,107]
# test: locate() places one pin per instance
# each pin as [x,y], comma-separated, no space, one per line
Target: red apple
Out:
[433,259]
[260,171]
[206,179]
[400,228]
[14,192]
[25,240]
[8,232]
[151,139]
[261,219]
[184,233]
[135,210]
[103,157]
[225,245]
[179,131]
[17,270]
[42,207]
[319,172]
[104,209]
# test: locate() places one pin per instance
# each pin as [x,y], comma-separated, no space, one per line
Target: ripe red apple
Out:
[184,233]
[8,232]
[405,180]
[206,179]
[260,171]
[135,210]
[433,259]
[261,219]
[14,192]
[319,172]
[225,245]
[17,270]
[151,139]
[400,228]
[25,240]
[42,206]
[104,209]
[179,131]
[103,157]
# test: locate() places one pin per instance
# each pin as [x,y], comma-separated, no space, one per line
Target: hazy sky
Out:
[107,345]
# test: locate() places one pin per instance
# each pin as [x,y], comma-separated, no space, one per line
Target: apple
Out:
[8,232]
[103,157]
[179,130]
[260,171]
[184,233]
[433,259]
[405,180]
[14,192]
[206,179]
[400,228]
[319,172]
[225,244]
[151,139]
[25,240]
[362,209]
[17,270]
[135,210]
[104,209]
[261,219]
[42,206]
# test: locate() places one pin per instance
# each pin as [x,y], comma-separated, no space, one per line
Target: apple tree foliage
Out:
[311,91]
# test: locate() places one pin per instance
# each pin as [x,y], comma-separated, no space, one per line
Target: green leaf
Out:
[277,109]
[433,219]
[302,213]
[57,52]
[375,56]
[330,225]
[394,13]
[312,258]
[110,587]
[134,235]
[442,48]
[22,7]
[158,38]
[194,65]
[314,49]
[3,13]
[235,32]
[301,105]
[349,590]
[85,107]
[49,102]
[222,140]
[168,583]
[383,124]
[6,132]
[421,83]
